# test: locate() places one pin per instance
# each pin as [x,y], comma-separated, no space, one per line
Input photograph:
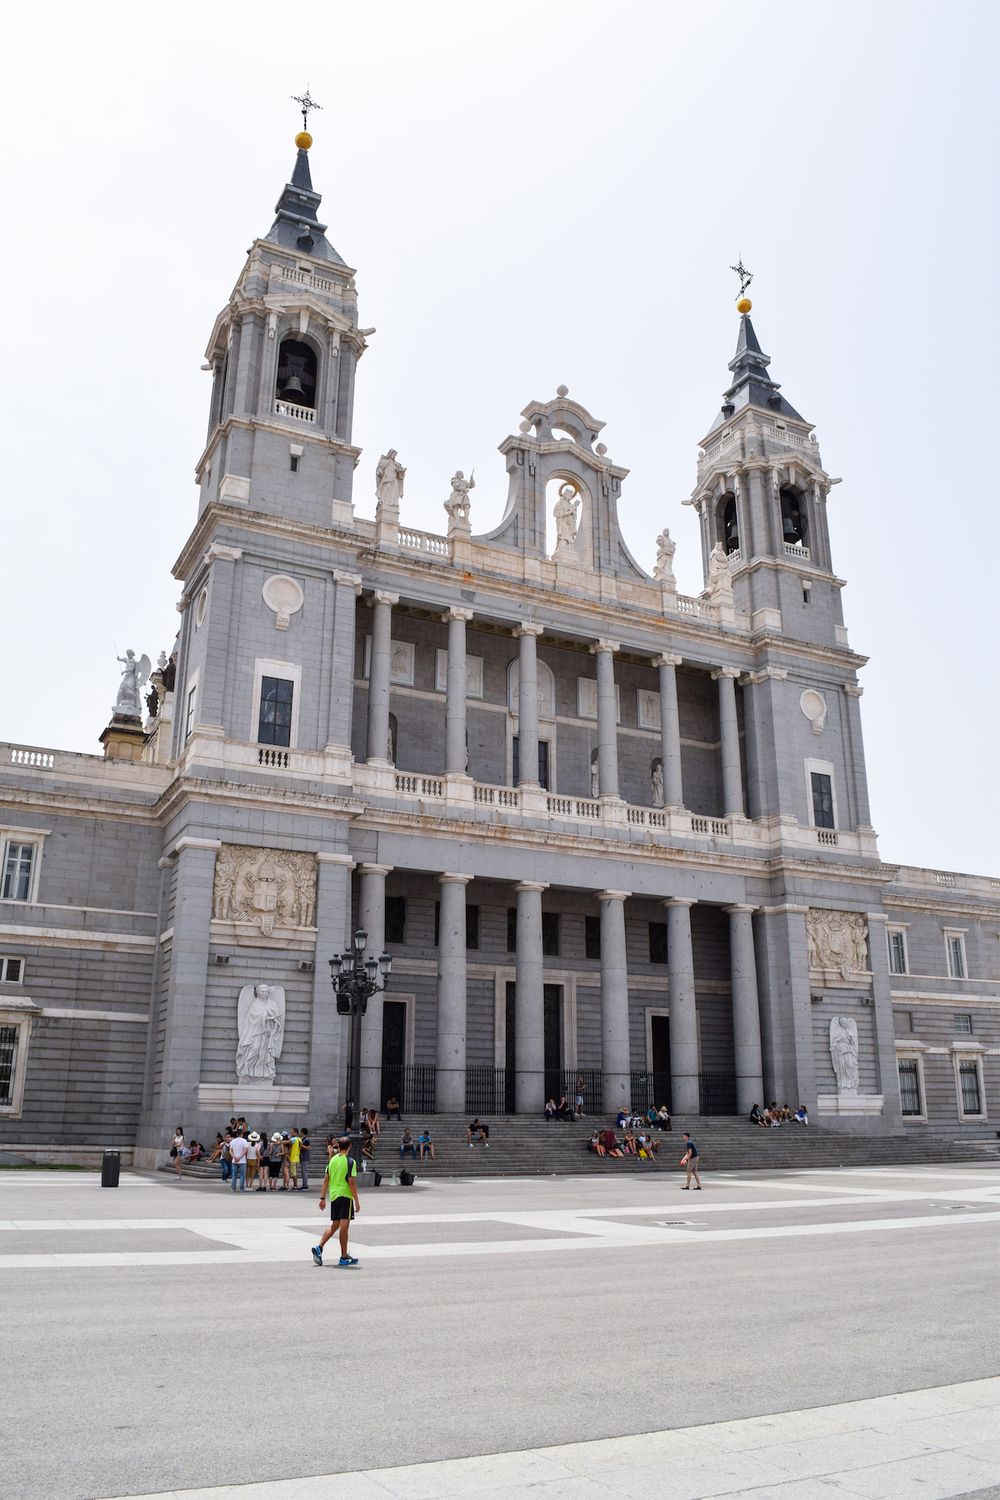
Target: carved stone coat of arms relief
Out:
[265,888]
[838,942]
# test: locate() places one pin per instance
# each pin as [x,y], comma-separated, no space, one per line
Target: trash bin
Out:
[111,1165]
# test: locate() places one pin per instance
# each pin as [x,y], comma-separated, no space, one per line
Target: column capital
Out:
[739,907]
[349,580]
[766,674]
[680,901]
[668,659]
[457,613]
[383,596]
[613,895]
[605,645]
[324,857]
[732,672]
[218,552]
[373,869]
[447,878]
[528,627]
[532,885]
[852,690]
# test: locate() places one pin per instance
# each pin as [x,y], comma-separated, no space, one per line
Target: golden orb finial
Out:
[303,140]
[743,305]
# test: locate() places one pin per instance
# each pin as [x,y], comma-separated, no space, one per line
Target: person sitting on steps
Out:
[392,1108]
[550,1109]
[478,1132]
[425,1146]
[408,1146]
[663,1116]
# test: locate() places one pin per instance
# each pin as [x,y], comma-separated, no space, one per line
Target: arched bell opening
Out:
[794,519]
[729,523]
[296,377]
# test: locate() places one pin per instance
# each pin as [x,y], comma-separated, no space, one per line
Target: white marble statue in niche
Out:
[844,1053]
[565,514]
[261,1023]
[656,777]
[595,774]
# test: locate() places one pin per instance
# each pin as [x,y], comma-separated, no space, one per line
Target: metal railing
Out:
[717,1093]
[414,1087]
[649,1090]
[486,1091]
[566,1082]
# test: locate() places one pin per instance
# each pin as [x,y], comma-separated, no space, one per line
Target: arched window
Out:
[794,524]
[296,380]
[730,524]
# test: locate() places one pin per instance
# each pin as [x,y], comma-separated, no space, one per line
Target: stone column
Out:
[527,703]
[529,1010]
[455,744]
[885,1034]
[684,1069]
[450,1096]
[176,1096]
[858,784]
[347,587]
[670,729]
[607,718]
[371,916]
[210,711]
[732,779]
[378,678]
[615,1059]
[746,1009]
[329,1038]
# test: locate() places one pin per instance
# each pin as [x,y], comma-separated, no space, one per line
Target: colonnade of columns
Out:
[529,1038]
[604,651]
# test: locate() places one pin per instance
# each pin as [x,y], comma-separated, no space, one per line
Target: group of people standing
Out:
[250,1158]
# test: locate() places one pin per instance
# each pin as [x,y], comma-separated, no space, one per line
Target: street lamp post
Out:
[355,979]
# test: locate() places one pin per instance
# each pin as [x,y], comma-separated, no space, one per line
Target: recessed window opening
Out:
[293,463]
[794,527]
[275,725]
[822,799]
[296,380]
[909,1086]
[730,525]
[11,970]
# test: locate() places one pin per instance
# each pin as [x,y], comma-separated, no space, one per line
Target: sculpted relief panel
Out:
[266,888]
[838,942]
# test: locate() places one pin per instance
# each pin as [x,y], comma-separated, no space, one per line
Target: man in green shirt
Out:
[340,1186]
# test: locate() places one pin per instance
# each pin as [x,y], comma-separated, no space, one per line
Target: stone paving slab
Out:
[940,1444]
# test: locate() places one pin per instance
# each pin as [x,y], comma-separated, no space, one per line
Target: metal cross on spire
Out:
[745,276]
[305,102]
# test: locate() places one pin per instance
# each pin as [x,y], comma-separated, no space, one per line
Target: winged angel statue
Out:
[135,674]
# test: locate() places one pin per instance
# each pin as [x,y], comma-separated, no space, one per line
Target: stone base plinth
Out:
[849,1104]
[258,1098]
[124,738]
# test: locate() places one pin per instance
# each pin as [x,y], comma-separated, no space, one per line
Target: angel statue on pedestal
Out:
[128,704]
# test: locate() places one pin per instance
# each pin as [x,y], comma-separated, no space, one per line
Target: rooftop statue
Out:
[128,704]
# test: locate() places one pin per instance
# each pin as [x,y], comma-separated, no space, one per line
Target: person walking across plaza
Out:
[690,1161]
[340,1186]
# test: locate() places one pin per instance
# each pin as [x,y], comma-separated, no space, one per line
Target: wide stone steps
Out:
[522,1146]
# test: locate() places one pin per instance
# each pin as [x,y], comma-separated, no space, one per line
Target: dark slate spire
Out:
[296,226]
[751,386]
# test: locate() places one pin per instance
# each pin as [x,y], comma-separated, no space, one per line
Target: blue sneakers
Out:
[317,1255]
[348,1260]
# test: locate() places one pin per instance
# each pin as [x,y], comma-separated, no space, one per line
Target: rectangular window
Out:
[968,1080]
[11,970]
[956,955]
[512,929]
[909,1086]
[904,1021]
[18,865]
[8,1063]
[897,951]
[657,942]
[275,726]
[543,763]
[592,937]
[395,919]
[293,463]
[963,1025]
[822,797]
[189,712]
[550,934]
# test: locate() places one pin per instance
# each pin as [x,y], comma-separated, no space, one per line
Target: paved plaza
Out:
[786,1335]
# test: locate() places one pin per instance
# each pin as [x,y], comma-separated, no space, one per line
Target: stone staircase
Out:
[521,1146]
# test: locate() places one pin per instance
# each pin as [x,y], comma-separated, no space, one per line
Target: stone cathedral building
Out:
[605,830]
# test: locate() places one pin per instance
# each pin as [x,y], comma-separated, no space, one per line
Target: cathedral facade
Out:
[605,831]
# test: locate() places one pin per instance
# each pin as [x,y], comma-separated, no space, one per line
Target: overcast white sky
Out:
[532,194]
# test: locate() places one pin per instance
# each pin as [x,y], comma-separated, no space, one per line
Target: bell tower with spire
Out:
[283,354]
[761,498]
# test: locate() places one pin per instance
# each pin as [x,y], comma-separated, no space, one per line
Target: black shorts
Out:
[274,1169]
[341,1208]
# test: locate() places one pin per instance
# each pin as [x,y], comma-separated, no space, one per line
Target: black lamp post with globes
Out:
[355,979]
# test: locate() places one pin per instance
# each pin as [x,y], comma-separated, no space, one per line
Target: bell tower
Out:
[761,498]
[283,355]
